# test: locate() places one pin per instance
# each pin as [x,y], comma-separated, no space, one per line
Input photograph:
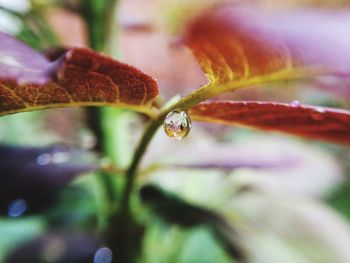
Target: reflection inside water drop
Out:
[103,255]
[17,208]
[177,124]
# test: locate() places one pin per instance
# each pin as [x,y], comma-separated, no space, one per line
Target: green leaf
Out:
[173,210]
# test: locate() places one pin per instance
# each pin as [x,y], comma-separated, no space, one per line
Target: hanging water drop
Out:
[177,124]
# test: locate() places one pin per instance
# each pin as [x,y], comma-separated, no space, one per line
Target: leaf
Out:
[334,85]
[56,247]
[307,121]
[32,177]
[238,47]
[173,210]
[307,229]
[80,77]
[226,166]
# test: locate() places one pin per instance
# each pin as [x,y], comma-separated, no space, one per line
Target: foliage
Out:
[234,51]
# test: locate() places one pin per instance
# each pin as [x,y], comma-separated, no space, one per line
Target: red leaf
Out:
[307,121]
[81,77]
[239,47]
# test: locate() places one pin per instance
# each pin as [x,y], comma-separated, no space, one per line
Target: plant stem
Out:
[146,138]
[124,218]
[139,152]
[96,125]
[99,18]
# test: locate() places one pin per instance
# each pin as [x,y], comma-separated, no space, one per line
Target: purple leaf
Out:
[20,62]
[56,247]
[31,178]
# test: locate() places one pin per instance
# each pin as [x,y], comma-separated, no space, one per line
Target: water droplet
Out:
[17,208]
[318,114]
[320,110]
[295,103]
[103,255]
[177,124]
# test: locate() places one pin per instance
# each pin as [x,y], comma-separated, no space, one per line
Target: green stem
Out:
[99,17]
[184,103]
[139,152]
[124,217]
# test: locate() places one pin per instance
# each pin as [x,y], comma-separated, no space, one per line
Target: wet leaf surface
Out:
[307,121]
[80,77]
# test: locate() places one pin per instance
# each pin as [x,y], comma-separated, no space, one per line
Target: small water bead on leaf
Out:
[320,110]
[318,115]
[295,103]
[177,124]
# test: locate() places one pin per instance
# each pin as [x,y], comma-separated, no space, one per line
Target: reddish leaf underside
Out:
[81,77]
[239,47]
[307,121]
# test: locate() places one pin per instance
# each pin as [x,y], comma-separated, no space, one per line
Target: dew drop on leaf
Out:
[295,103]
[318,114]
[177,124]
[320,110]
